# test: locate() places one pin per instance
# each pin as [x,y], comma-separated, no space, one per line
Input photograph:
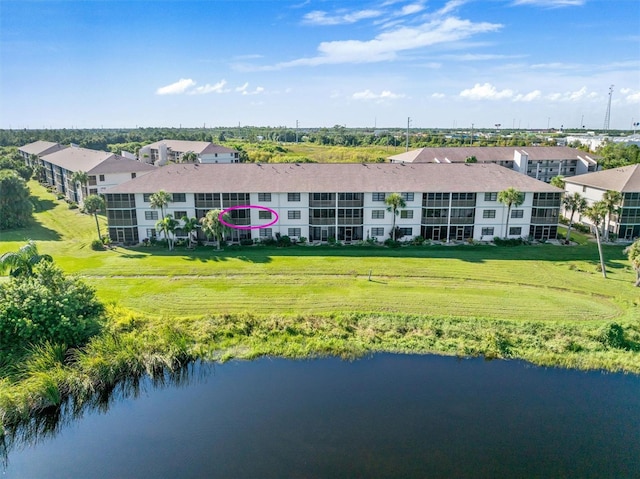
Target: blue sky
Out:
[518,63]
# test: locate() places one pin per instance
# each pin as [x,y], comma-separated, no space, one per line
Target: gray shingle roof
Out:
[119,164]
[198,147]
[325,177]
[625,179]
[94,161]
[41,147]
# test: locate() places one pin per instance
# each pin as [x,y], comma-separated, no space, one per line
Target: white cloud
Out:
[257,91]
[485,92]
[369,95]
[411,9]
[242,88]
[438,95]
[319,17]
[551,3]
[527,97]
[387,45]
[632,96]
[176,88]
[216,88]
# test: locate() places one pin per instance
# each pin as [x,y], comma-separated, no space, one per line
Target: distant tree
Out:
[633,253]
[510,197]
[20,263]
[168,227]
[471,159]
[160,200]
[15,206]
[213,227]
[612,200]
[558,182]
[190,225]
[93,204]
[394,203]
[574,203]
[17,164]
[596,213]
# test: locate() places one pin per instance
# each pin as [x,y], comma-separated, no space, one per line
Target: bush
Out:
[418,240]
[97,245]
[392,244]
[508,242]
[284,241]
[302,240]
[46,306]
[613,336]
[246,242]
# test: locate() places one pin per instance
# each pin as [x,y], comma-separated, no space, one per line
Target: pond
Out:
[383,416]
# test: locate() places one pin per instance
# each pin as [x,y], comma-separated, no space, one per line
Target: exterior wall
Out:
[219,158]
[461,219]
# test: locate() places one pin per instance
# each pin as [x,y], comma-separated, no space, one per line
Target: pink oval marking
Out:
[244,207]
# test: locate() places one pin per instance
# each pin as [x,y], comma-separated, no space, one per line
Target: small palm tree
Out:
[82,178]
[611,200]
[189,157]
[633,253]
[190,225]
[93,204]
[395,202]
[510,197]
[20,263]
[558,182]
[573,203]
[168,226]
[160,200]
[596,213]
[213,227]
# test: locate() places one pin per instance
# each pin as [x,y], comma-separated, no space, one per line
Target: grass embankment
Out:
[546,304]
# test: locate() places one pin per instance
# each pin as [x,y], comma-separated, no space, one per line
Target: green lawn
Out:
[546,282]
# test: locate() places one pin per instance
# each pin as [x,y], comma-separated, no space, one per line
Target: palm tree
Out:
[558,182]
[394,203]
[573,203]
[168,226]
[160,200]
[212,226]
[611,200]
[189,157]
[596,213]
[20,263]
[510,197]
[190,225]
[633,253]
[82,178]
[93,204]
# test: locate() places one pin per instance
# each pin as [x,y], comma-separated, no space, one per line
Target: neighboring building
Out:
[39,149]
[594,141]
[342,201]
[172,151]
[625,180]
[540,162]
[103,168]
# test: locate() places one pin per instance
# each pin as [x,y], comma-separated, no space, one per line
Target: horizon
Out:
[446,65]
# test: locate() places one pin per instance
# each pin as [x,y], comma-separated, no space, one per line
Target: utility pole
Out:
[408,125]
[296,131]
[471,134]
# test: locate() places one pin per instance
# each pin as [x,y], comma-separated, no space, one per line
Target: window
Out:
[179,197]
[295,232]
[179,214]
[293,196]
[101,177]
[584,189]
[491,196]
[377,214]
[133,175]
[294,215]
[515,230]
[266,233]
[264,215]
[377,231]
[407,196]
[406,231]
[489,214]
[517,213]
[487,231]
[93,191]
[150,215]
[378,196]
[264,197]
[151,233]
[407,214]
[146,197]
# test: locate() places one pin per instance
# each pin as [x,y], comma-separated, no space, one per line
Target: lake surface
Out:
[383,416]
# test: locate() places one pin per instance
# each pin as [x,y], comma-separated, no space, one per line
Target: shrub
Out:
[508,242]
[612,336]
[284,241]
[418,240]
[302,240]
[246,242]
[97,245]
[46,306]
[392,244]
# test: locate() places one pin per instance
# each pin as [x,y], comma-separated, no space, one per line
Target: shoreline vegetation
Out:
[545,304]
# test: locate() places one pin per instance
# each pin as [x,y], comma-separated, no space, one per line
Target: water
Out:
[384,416]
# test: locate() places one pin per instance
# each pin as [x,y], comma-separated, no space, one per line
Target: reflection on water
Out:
[384,416]
[51,421]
